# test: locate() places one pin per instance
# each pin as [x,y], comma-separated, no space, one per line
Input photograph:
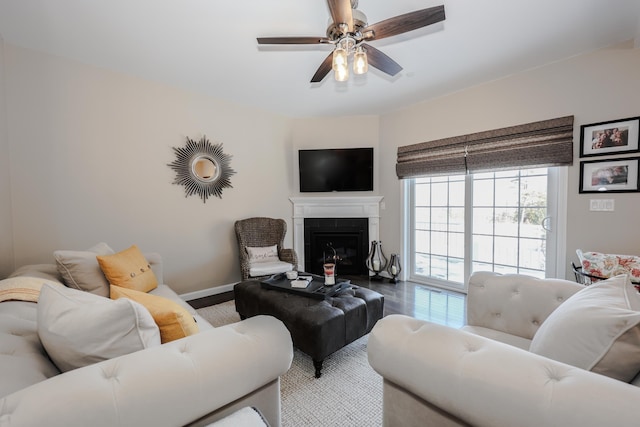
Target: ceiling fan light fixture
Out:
[341,73]
[360,63]
[340,57]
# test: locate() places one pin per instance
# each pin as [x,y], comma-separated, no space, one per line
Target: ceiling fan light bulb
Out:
[341,73]
[360,63]
[339,58]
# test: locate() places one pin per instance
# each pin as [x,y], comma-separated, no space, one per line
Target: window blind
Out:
[539,144]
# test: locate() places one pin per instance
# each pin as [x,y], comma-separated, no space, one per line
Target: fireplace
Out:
[332,208]
[348,236]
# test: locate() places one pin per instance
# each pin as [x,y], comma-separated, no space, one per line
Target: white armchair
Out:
[484,375]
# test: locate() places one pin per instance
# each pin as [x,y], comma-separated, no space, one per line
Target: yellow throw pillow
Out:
[128,269]
[174,321]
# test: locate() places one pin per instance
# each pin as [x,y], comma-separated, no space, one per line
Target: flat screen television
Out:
[342,169]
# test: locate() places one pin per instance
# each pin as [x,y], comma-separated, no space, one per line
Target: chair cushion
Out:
[80,269]
[174,321]
[597,329]
[128,269]
[267,268]
[78,328]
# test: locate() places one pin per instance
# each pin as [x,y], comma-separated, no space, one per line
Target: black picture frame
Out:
[612,137]
[618,175]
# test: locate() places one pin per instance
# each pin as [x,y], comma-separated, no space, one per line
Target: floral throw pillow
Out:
[609,265]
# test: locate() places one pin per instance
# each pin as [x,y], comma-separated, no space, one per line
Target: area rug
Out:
[349,393]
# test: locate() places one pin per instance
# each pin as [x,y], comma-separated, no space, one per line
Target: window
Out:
[495,221]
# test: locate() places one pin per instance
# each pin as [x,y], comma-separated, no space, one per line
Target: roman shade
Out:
[540,144]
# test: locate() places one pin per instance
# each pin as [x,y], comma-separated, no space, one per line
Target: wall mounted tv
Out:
[346,169]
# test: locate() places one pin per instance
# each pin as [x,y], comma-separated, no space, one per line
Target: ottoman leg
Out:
[318,365]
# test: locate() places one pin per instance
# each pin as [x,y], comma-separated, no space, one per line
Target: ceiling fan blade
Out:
[381,61]
[341,12]
[323,70]
[404,23]
[292,40]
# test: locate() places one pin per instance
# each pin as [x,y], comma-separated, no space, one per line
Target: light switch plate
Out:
[601,205]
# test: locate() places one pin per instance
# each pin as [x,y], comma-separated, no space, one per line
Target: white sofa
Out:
[191,381]
[484,375]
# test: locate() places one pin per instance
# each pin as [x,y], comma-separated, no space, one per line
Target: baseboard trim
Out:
[190,296]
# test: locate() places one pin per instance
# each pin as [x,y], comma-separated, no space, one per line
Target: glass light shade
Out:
[360,64]
[341,73]
[339,58]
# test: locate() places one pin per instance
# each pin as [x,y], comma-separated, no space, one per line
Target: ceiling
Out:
[209,46]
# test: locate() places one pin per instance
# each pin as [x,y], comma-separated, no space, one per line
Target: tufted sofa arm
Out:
[185,382]
[439,376]
[512,303]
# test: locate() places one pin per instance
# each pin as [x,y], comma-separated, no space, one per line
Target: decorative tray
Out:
[315,289]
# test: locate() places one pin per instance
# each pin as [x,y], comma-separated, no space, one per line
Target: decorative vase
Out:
[376,261]
[329,265]
[394,268]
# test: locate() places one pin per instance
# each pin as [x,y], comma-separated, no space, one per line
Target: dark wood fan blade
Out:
[381,61]
[292,40]
[323,70]
[341,12]
[404,23]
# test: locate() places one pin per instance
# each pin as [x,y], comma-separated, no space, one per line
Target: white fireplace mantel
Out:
[333,207]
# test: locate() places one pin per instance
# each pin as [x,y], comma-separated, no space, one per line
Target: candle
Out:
[376,265]
[394,270]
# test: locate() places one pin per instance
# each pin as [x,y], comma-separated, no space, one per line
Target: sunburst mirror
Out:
[203,168]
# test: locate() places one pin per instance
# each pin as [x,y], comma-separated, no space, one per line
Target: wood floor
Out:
[408,298]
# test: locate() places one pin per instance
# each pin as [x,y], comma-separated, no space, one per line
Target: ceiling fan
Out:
[348,31]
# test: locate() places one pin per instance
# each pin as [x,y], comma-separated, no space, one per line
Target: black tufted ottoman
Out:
[318,327]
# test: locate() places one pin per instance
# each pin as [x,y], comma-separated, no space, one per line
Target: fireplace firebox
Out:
[348,236]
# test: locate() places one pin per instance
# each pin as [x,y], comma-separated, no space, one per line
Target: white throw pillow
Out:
[80,269]
[265,254]
[597,329]
[78,328]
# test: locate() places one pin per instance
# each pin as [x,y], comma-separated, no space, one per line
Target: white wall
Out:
[595,87]
[6,235]
[90,150]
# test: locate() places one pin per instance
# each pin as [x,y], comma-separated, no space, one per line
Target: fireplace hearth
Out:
[348,236]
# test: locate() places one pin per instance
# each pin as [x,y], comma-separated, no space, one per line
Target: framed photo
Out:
[600,139]
[613,176]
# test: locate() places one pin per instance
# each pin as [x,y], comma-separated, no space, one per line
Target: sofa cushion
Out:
[23,288]
[80,269]
[597,329]
[78,328]
[23,361]
[174,321]
[128,269]
[43,271]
